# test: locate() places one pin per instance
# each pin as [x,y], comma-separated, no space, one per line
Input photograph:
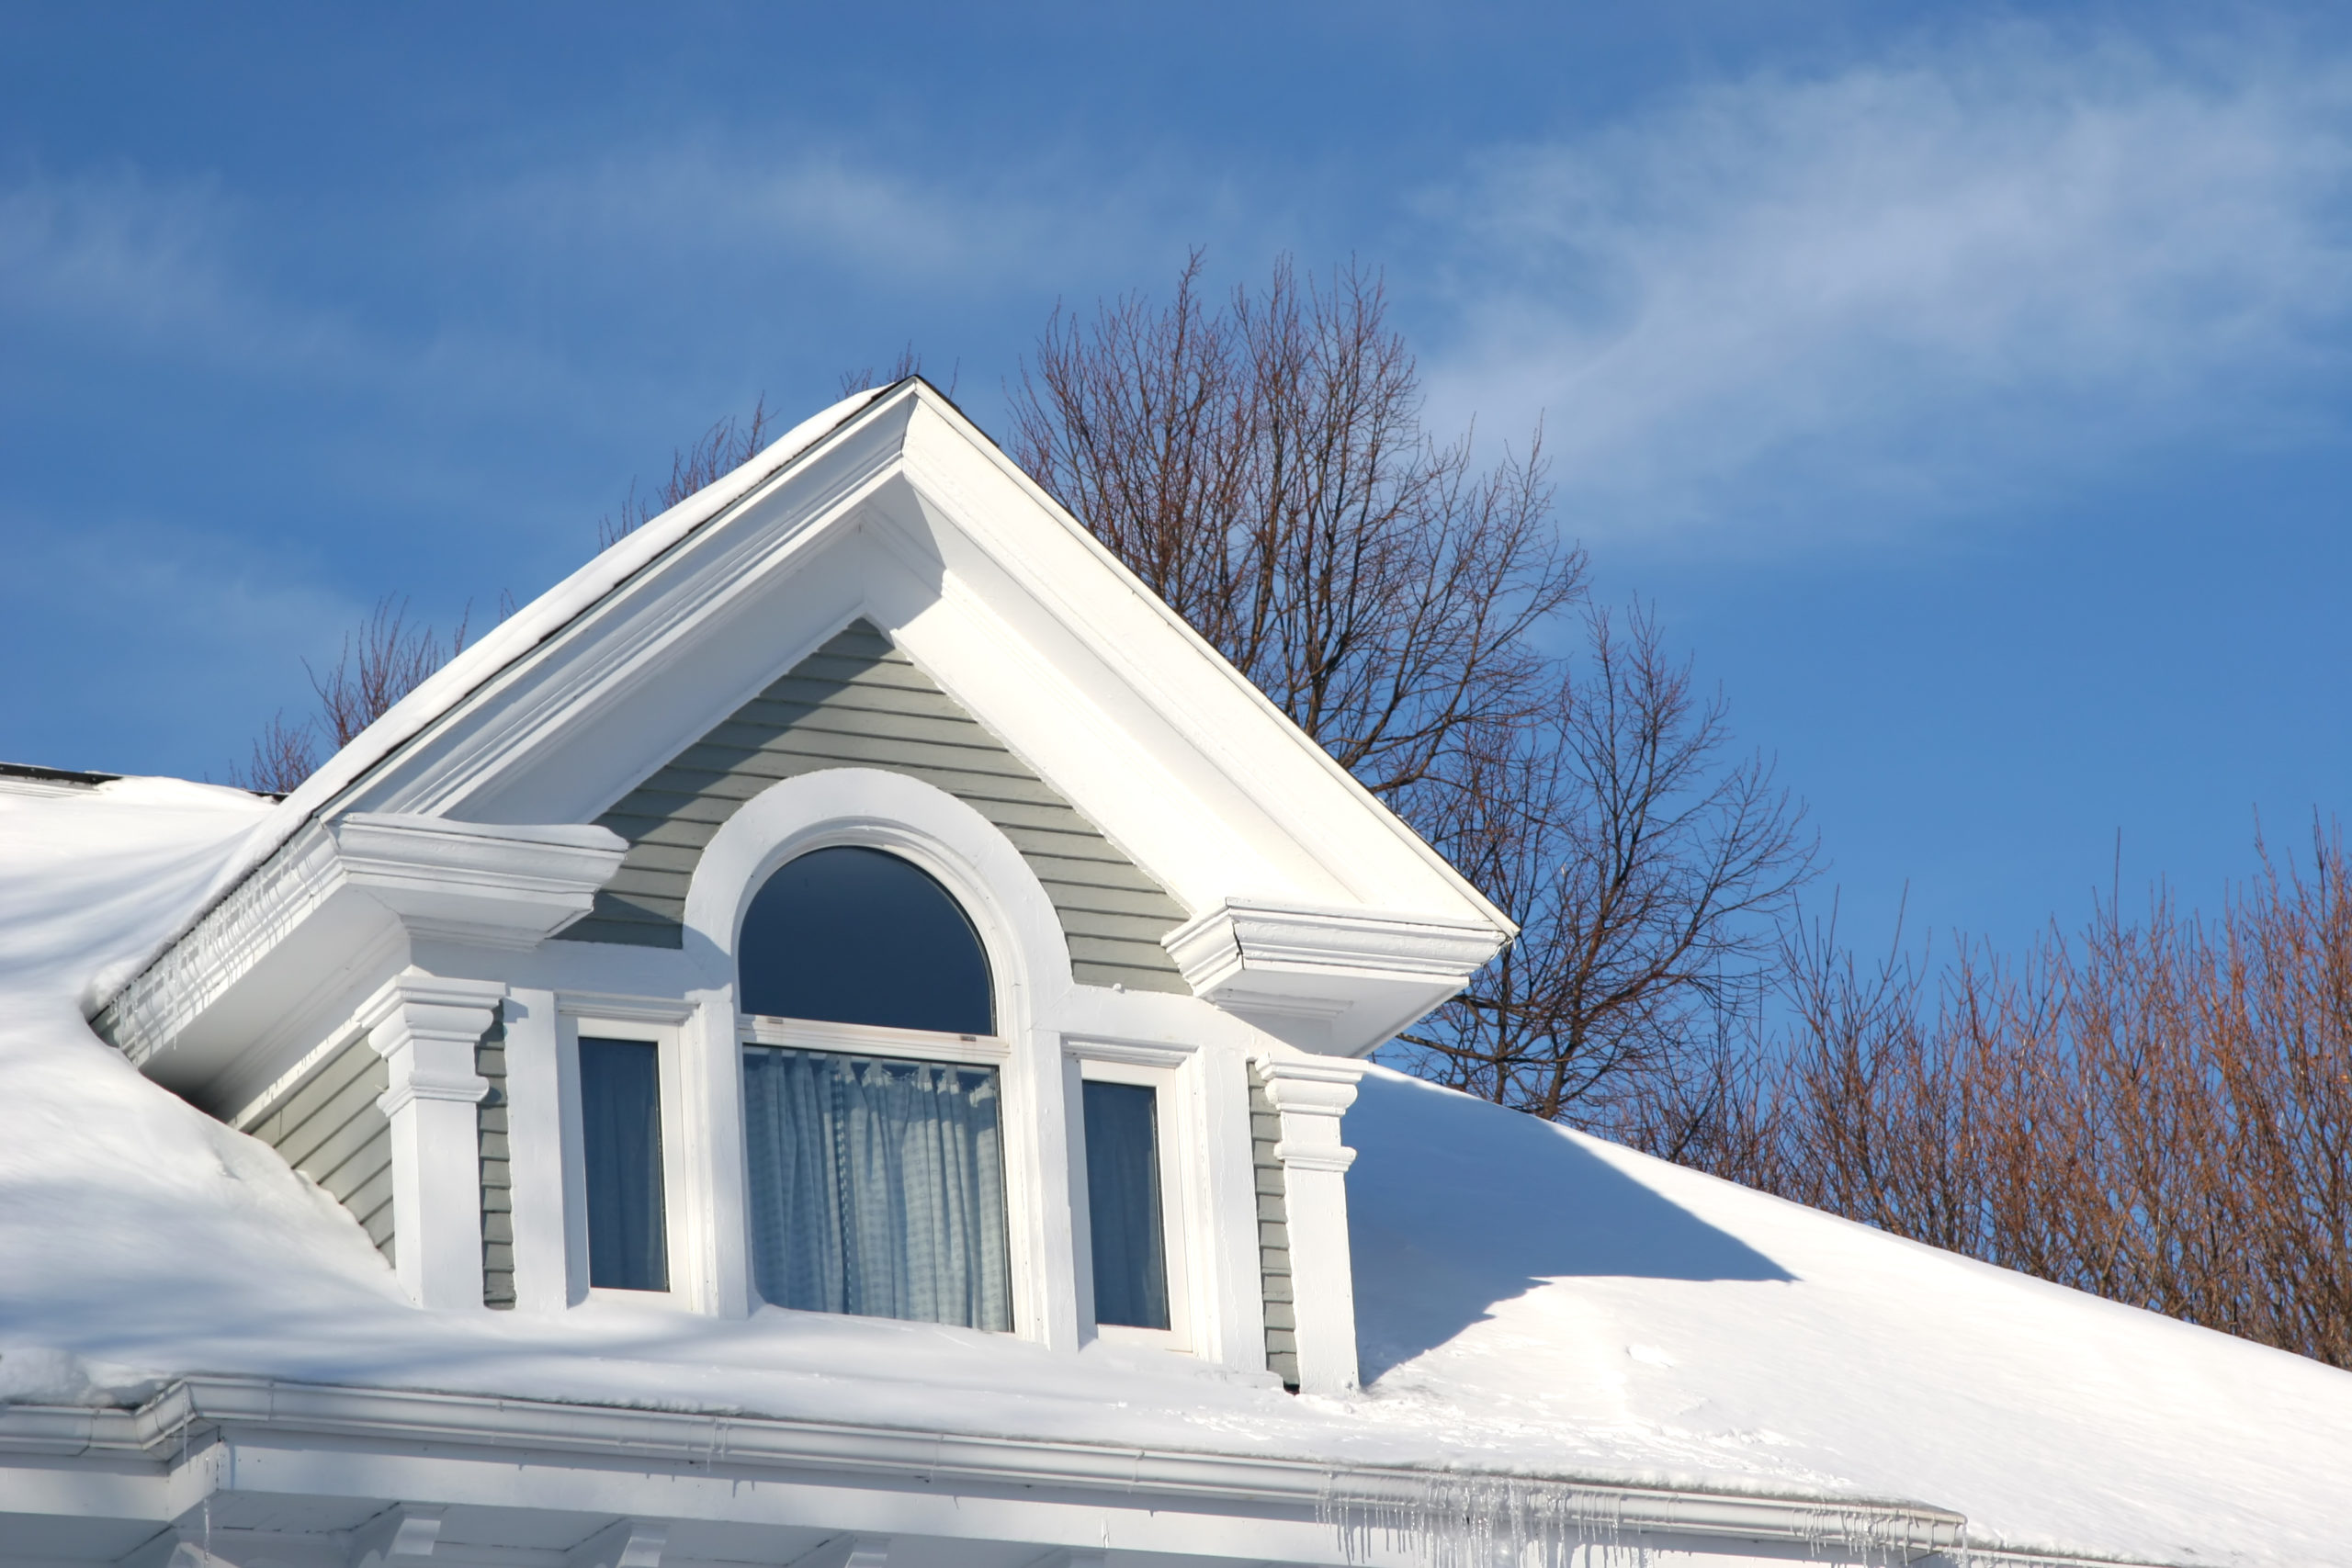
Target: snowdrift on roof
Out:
[1530,1299]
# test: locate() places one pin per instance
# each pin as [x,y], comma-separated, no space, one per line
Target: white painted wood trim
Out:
[1187,1212]
[684,1205]
[535,1144]
[1310,1094]
[426,1027]
[1029,968]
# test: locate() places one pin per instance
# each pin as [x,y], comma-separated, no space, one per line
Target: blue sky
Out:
[1967,386]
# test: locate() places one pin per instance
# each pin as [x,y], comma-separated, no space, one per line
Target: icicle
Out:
[1457,1520]
[1454,1519]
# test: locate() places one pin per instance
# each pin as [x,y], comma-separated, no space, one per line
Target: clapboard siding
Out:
[331,1130]
[1273,1236]
[857,702]
[497,1179]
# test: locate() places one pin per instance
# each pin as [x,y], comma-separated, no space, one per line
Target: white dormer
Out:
[851,893]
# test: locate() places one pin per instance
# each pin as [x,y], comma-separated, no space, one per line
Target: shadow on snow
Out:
[1455,1205]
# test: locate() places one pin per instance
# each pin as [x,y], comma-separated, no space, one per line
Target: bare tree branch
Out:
[2156,1111]
[1261,463]
[1647,871]
[723,449]
[384,660]
[283,756]
[1263,467]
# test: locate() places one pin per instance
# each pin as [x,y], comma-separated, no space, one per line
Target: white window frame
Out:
[1172,1074]
[660,1025]
[1029,969]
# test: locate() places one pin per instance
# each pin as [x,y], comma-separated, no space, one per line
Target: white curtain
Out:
[877,1187]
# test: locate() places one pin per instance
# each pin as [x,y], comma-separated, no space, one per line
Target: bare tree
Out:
[720,450]
[1265,470]
[383,660]
[283,756]
[2157,1111]
[908,363]
[380,663]
[1263,465]
[387,657]
[1647,871]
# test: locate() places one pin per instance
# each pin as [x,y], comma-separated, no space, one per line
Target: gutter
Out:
[1364,1503]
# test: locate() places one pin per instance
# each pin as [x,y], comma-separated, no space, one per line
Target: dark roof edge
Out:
[56,775]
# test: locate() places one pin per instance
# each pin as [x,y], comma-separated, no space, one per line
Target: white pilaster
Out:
[1311,1093]
[534,1121]
[426,1028]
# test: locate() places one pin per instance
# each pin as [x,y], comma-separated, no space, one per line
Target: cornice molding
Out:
[1259,937]
[500,886]
[493,886]
[1333,980]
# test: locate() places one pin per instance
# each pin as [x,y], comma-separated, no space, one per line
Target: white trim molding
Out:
[426,1028]
[469,882]
[1310,1094]
[1336,981]
[1029,970]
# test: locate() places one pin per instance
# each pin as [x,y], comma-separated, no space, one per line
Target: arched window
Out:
[877,1180]
[857,935]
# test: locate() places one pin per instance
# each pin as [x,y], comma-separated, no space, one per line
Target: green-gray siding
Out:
[497,1181]
[330,1131]
[857,702]
[1273,1236]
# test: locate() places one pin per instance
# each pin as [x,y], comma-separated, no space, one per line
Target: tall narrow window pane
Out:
[855,935]
[620,1114]
[1122,1195]
[877,1187]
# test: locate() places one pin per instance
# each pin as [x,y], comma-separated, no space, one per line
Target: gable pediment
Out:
[905,517]
[859,702]
[1188,836]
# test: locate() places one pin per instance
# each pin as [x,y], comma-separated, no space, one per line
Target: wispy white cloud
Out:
[1913,286]
[116,248]
[735,202]
[115,258]
[216,626]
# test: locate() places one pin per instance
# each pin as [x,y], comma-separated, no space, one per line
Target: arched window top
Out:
[857,935]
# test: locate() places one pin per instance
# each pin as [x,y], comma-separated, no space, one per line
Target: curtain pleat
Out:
[877,1187]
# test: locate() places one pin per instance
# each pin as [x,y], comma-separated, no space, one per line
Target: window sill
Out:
[1151,1338]
[601,1296]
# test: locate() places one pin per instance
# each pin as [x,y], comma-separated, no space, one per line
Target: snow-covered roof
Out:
[1531,1302]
